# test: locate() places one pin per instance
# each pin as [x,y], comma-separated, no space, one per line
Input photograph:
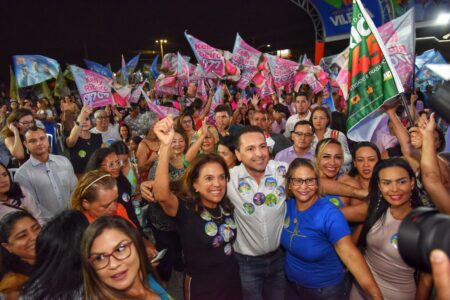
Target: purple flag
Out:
[161,111]
[94,89]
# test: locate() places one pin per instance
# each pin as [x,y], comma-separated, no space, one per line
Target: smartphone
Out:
[159,256]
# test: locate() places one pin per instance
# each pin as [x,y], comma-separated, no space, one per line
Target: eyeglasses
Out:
[102,260]
[114,164]
[301,134]
[26,123]
[300,181]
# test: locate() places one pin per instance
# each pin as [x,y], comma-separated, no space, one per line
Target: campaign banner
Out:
[399,37]
[136,93]
[282,70]
[373,79]
[98,68]
[132,64]
[328,98]
[208,57]
[161,111]
[169,62]
[94,89]
[34,69]
[245,58]
[182,68]
[336,15]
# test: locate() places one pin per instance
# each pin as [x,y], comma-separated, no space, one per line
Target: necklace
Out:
[207,216]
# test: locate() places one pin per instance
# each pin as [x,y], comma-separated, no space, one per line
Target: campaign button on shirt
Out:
[227,249]
[217,241]
[211,228]
[125,197]
[271,200]
[259,199]
[270,183]
[249,208]
[244,187]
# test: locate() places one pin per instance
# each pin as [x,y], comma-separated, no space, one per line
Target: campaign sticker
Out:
[217,241]
[227,249]
[82,153]
[211,228]
[282,170]
[226,232]
[259,199]
[335,201]
[271,200]
[280,192]
[287,221]
[205,215]
[394,241]
[230,222]
[244,187]
[270,183]
[249,208]
[125,197]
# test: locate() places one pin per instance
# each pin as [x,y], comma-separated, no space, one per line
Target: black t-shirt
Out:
[82,151]
[124,189]
[207,239]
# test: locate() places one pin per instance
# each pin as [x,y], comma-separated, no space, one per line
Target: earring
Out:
[378,203]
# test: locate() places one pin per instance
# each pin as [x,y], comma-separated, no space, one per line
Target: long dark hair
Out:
[377,204]
[57,271]
[353,172]
[11,262]
[97,158]
[188,192]
[94,287]
[15,192]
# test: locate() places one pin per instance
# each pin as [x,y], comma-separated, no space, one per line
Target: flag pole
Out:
[408,113]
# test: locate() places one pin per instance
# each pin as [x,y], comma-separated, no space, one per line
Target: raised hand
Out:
[164,130]
[13,128]
[255,100]
[84,114]
[427,125]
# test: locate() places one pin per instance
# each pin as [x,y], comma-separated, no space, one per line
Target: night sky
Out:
[69,31]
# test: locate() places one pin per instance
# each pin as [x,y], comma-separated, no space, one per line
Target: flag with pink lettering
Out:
[169,62]
[161,111]
[210,58]
[245,58]
[282,70]
[94,89]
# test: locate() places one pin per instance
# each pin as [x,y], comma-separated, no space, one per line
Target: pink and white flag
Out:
[282,70]
[210,58]
[245,58]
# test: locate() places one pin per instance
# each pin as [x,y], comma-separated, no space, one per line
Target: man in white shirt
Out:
[302,105]
[109,132]
[257,191]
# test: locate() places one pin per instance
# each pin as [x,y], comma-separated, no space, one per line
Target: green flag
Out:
[372,78]
[13,88]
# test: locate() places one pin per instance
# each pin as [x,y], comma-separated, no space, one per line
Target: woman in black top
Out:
[81,142]
[205,221]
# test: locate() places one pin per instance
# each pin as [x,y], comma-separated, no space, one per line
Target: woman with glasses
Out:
[106,160]
[318,243]
[186,123]
[115,264]
[81,142]
[13,133]
[18,233]
[205,221]
[321,119]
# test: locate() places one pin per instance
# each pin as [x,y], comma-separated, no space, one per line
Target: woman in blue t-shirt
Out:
[317,242]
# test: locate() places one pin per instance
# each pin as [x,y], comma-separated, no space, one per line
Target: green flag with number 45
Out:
[372,79]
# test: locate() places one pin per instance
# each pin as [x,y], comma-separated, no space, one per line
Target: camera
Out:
[423,230]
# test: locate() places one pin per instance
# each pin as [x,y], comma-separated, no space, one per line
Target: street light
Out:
[161,42]
[443,19]
[262,46]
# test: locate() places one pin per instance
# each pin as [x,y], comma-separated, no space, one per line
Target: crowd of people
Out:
[253,199]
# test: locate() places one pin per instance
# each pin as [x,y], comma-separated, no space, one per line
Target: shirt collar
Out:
[35,162]
[242,173]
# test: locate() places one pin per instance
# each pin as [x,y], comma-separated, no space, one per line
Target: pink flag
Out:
[245,58]
[94,89]
[282,70]
[201,90]
[136,93]
[208,57]
[182,68]
[161,111]
[169,62]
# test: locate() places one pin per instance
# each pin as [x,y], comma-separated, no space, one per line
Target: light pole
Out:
[262,46]
[161,42]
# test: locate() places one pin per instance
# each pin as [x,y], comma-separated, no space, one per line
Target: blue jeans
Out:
[339,291]
[262,277]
